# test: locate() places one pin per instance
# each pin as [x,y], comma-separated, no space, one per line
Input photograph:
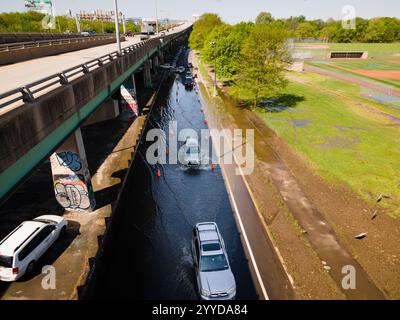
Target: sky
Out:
[231,11]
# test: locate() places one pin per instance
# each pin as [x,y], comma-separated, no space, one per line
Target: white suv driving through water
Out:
[215,279]
[192,156]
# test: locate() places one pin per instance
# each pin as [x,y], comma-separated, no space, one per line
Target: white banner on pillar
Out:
[128,102]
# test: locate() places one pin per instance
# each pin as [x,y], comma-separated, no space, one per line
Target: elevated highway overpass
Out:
[43,103]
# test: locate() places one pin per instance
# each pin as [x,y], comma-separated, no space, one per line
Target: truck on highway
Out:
[148,26]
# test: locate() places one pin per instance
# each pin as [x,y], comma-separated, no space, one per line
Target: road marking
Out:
[253,260]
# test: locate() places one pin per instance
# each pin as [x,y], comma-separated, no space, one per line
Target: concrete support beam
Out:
[155,63]
[108,110]
[71,177]
[147,74]
[161,57]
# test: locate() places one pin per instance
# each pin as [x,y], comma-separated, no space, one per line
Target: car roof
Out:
[207,232]
[18,236]
[191,142]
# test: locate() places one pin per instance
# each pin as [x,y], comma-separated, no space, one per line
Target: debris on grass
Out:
[360,235]
[383,196]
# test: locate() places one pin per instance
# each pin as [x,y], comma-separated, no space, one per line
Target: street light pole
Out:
[214,44]
[117,26]
[156,17]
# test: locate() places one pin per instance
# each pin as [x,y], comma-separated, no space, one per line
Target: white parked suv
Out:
[215,279]
[23,247]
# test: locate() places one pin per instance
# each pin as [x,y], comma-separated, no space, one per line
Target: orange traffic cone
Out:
[158,173]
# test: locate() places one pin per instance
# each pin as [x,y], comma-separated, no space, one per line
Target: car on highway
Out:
[214,277]
[180,69]
[144,37]
[22,248]
[192,157]
[189,82]
[166,66]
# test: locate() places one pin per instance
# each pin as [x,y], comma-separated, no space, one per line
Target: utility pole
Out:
[117,26]
[78,24]
[156,17]
[123,24]
[214,44]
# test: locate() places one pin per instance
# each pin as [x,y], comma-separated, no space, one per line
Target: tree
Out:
[264,17]
[202,27]
[262,63]
[229,40]
[306,30]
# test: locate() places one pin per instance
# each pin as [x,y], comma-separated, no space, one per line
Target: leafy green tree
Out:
[229,40]
[306,30]
[293,22]
[262,63]
[264,17]
[202,27]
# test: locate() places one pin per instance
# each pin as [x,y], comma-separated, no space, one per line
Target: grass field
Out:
[382,57]
[375,50]
[346,138]
[352,66]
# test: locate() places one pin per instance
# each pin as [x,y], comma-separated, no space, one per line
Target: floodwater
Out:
[149,255]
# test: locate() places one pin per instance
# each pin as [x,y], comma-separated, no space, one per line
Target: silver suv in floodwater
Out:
[215,279]
[192,157]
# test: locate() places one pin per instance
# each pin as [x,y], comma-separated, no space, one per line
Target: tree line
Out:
[253,57]
[382,29]
[32,22]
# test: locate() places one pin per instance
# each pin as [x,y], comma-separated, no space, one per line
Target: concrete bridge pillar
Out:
[108,110]
[161,57]
[147,74]
[71,176]
[155,63]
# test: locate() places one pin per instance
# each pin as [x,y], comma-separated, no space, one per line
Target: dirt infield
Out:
[380,74]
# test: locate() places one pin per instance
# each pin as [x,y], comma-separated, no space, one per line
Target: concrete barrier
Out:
[52,48]
[14,37]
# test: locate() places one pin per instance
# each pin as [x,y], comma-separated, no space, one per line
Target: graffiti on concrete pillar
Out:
[71,193]
[128,101]
[69,159]
[72,183]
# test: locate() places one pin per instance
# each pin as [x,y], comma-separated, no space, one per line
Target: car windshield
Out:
[213,263]
[45,221]
[6,261]
[192,150]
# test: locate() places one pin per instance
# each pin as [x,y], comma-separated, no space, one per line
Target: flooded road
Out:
[150,256]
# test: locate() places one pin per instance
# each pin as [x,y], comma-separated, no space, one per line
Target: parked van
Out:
[23,247]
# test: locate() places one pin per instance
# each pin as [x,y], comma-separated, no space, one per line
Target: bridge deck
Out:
[18,74]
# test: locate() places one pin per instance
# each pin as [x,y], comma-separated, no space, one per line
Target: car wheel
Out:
[63,231]
[31,267]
